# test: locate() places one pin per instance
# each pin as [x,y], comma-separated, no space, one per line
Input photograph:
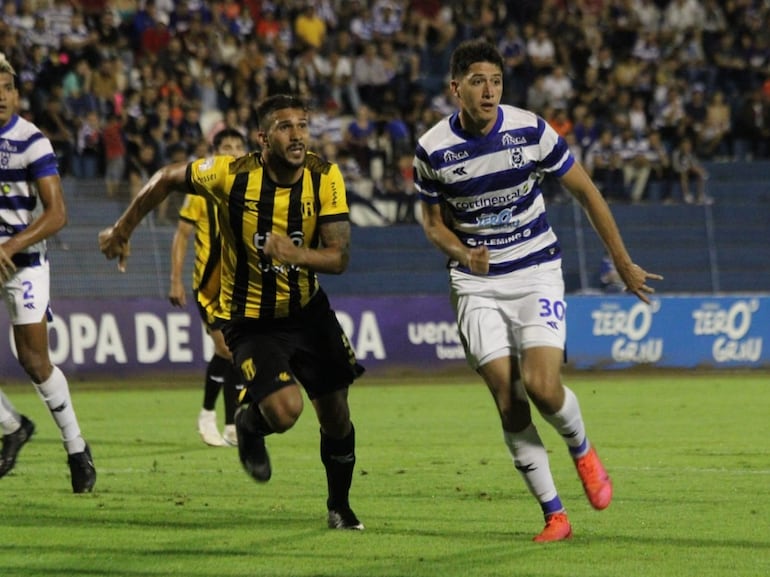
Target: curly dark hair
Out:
[471,51]
[278,102]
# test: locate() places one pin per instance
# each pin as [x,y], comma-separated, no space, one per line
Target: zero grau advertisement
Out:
[114,337]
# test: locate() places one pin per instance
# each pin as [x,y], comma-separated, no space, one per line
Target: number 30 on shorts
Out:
[549,308]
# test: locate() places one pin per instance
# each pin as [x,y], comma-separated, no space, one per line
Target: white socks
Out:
[10,420]
[531,460]
[568,421]
[56,395]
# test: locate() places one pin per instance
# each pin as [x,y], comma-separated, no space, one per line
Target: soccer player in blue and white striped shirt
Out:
[478,174]
[31,210]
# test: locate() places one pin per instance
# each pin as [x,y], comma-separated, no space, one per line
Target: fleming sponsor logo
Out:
[730,327]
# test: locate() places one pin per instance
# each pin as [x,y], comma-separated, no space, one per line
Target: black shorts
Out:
[309,348]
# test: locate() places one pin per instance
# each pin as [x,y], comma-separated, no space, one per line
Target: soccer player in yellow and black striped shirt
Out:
[198,217]
[283,216]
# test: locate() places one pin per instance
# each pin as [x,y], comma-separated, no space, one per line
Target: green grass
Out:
[689,456]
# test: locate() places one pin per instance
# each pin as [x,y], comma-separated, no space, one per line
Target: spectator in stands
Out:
[537,95]
[190,130]
[15,18]
[58,128]
[316,70]
[361,138]
[694,113]
[681,17]
[715,135]
[516,73]
[142,166]
[267,27]
[108,82]
[149,30]
[585,127]
[559,88]
[689,170]
[326,125]
[636,164]
[670,113]
[370,76]
[659,183]
[609,279]
[731,65]
[648,15]
[79,41]
[752,127]
[110,39]
[309,27]
[558,118]
[541,51]
[647,46]
[77,91]
[342,89]
[637,116]
[362,25]
[605,166]
[387,19]
[115,153]
[41,35]
[87,160]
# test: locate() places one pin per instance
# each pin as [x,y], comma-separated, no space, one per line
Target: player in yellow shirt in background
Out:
[199,216]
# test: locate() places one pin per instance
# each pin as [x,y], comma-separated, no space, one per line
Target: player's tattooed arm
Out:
[331,257]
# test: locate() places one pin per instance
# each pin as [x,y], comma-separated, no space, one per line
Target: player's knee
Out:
[547,395]
[283,410]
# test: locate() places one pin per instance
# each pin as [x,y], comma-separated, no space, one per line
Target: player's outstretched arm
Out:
[584,190]
[113,241]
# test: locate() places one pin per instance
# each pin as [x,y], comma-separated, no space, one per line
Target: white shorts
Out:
[502,316]
[27,295]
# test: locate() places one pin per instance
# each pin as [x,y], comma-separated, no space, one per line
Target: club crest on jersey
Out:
[517,157]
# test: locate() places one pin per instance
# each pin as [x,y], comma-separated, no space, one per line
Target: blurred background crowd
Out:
[643,90]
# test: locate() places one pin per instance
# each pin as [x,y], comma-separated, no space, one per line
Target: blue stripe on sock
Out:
[580,450]
[552,506]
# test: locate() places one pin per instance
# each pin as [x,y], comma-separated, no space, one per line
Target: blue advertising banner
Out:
[111,337]
[678,332]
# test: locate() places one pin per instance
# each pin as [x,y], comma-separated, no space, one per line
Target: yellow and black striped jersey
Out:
[251,207]
[202,214]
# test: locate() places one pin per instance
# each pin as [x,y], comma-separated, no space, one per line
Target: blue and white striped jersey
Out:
[490,185]
[25,156]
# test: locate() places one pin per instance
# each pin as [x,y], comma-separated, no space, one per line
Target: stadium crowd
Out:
[642,89]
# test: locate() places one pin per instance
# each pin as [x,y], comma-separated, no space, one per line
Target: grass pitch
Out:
[434,484]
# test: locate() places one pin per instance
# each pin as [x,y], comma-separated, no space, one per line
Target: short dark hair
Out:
[227,133]
[278,102]
[471,51]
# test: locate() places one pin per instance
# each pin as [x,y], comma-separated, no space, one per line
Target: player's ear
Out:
[454,87]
